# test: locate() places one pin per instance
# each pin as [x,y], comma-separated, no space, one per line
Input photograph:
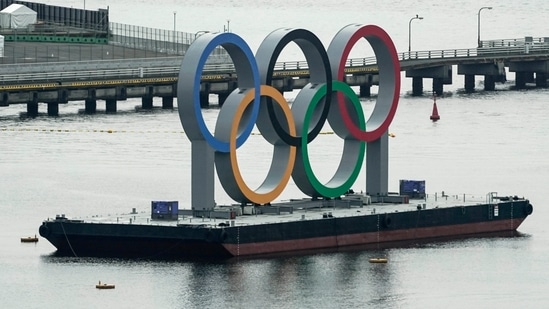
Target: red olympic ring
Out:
[389,77]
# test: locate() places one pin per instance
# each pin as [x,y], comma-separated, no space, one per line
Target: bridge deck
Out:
[57,73]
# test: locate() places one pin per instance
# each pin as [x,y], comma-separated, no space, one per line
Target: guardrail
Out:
[513,42]
[90,75]
[476,52]
[539,48]
[438,54]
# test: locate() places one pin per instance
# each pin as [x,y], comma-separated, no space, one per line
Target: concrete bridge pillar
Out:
[5,99]
[489,82]
[492,72]
[32,106]
[121,93]
[287,84]
[32,109]
[525,70]
[167,102]
[110,105]
[502,78]
[204,99]
[146,102]
[90,106]
[417,86]
[147,98]
[365,91]
[205,95]
[530,77]
[53,109]
[469,83]
[440,74]
[222,97]
[520,80]
[438,86]
[541,79]
[62,96]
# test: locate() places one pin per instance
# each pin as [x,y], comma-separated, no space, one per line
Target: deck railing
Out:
[169,66]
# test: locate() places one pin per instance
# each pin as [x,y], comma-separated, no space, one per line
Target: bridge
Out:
[124,77]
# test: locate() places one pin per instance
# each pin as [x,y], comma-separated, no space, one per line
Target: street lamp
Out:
[410,31]
[174,13]
[482,8]
[174,40]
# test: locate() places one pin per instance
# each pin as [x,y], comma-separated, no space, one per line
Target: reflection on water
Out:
[312,280]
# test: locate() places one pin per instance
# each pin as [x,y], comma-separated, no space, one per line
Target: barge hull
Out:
[385,238]
[78,238]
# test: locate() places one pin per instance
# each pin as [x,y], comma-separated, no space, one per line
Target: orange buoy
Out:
[434,115]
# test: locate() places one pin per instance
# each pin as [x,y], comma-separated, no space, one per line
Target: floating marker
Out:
[434,115]
[378,260]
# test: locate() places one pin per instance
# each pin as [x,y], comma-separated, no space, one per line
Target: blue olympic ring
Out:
[189,82]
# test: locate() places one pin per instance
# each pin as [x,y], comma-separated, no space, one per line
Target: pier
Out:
[138,62]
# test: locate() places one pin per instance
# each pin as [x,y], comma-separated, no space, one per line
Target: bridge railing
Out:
[106,73]
[492,51]
[438,54]
[88,65]
[170,66]
[514,42]
[303,65]
[538,46]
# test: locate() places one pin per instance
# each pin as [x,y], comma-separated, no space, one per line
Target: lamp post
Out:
[174,35]
[174,13]
[410,31]
[478,36]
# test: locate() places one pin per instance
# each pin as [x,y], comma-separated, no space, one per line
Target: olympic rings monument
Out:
[255,102]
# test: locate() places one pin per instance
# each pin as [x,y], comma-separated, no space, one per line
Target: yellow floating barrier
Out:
[378,260]
[29,239]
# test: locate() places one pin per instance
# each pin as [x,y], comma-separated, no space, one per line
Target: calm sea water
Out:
[486,141]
